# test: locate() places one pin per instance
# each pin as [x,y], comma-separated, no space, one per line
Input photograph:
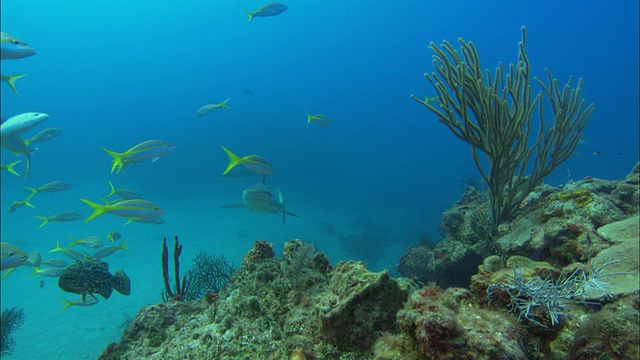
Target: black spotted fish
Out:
[90,276]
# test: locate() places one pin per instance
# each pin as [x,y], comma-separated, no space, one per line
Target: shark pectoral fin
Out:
[239,205]
[290,213]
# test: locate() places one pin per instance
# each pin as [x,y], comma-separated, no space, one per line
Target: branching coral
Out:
[495,116]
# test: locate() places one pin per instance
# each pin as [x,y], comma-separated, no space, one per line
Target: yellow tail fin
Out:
[67,304]
[113,189]
[116,157]
[234,160]
[250,15]
[44,220]
[11,80]
[97,209]
[10,168]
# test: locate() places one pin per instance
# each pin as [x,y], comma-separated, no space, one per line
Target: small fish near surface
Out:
[259,199]
[11,81]
[60,217]
[266,10]
[211,108]
[21,122]
[150,149]
[134,208]
[14,48]
[91,276]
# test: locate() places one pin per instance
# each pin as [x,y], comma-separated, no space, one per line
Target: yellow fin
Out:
[234,160]
[116,157]
[97,209]
[10,168]
[9,271]
[11,80]
[44,220]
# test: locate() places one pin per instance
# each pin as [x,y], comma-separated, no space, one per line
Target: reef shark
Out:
[259,199]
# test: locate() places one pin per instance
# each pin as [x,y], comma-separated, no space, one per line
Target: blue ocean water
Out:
[377,180]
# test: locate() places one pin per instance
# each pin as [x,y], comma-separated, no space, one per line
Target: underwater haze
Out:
[377,180]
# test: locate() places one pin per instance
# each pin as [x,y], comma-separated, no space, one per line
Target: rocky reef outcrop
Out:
[555,224]
[558,282]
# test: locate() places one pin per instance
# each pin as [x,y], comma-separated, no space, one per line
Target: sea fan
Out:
[12,319]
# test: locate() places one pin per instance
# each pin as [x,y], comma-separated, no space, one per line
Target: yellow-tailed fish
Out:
[21,122]
[60,217]
[11,81]
[124,194]
[259,199]
[150,149]
[88,301]
[134,208]
[255,163]
[54,263]
[114,236]
[266,10]
[10,167]
[92,242]
[44,135]
[16,145]
[12,256]
[108,250]
[209,109]
[151,220]
[318,119]
[55,186]
[48,272]
[14,48]
[71,254]
[18,204]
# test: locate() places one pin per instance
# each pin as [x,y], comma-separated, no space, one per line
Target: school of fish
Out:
[86,274]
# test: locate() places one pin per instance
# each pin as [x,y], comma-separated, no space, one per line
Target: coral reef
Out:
[445,325]
[568,289]
[558,224]
[11,320]
[360,304]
